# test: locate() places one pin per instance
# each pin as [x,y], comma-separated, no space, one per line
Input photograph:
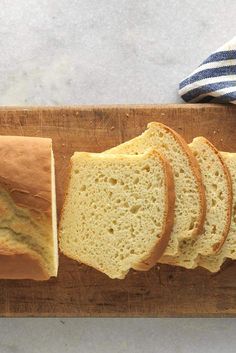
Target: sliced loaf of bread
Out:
[118,212]
[190,197]
[217,184]
[228,250]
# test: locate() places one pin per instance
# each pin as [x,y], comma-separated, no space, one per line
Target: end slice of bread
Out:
[190,196]
[213,263]
[118,212]
[218,188]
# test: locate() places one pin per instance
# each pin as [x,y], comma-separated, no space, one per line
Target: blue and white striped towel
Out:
[214,81]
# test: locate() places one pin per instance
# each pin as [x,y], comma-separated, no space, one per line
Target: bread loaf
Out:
[118,212]
[28,227]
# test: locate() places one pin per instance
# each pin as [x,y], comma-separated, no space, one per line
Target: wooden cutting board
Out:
[82,291]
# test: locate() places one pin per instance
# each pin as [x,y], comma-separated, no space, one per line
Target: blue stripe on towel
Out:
[208,73]
[225,98]
[220,56]
[194,93]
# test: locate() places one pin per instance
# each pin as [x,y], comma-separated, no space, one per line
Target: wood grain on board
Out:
[82,291]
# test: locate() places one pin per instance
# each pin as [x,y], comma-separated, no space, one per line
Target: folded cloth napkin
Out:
[214,80]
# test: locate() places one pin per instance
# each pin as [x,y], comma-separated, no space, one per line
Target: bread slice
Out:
[214,262]
[28,226]
[190,197]
[218,187]
[118,212]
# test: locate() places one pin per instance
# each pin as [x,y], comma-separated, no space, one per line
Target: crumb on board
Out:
[113,127]
[127,115]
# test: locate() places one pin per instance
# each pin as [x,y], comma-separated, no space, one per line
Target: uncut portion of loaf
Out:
[190,197]
[217,183]
[228,250]
[28,226]
[118,212]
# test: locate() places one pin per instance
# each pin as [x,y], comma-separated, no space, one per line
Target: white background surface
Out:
[109,51]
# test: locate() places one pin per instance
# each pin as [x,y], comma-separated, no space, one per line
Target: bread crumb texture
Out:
[115,210]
